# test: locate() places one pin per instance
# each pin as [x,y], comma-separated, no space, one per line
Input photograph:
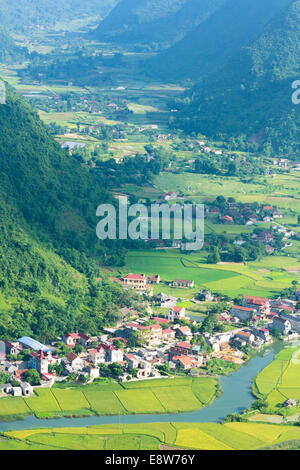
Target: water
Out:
[236,397]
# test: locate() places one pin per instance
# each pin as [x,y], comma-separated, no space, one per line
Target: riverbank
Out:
[236,397]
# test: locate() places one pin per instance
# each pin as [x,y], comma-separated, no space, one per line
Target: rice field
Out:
[152,436]
[149,396]
[280,381]
[266,277]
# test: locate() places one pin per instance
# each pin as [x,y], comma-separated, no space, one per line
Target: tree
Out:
[32,376]
[78,349]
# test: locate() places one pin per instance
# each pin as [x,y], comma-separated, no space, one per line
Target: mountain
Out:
[252,93]
[138,21]
[6,45]
[48,245]
[216,40]
[19,15]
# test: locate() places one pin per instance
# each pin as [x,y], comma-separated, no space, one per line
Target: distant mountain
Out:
[252,94]
[142,21]
[47,231]
[21,14]
[215,41]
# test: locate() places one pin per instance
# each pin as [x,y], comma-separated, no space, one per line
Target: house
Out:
[169,196]
[93,372]
[16,391]
[176,313]
[216,342]
[136,281]
[155,332]
[73,363]
[281,324]
[168,334]
[208,296]
[269,249]
[11,347]
[226,219]
[39,361]
[154,279]
[47,380]
[166,301]
[245,336]
[96,356]
[84,340]
[113,354]
[143,368]
[184,331]
[260,304]
[187,362]
[244,314]
[160,320]
[262,333]
[290,402]
[27,389]
[71,339]
[182,283]
[182,348]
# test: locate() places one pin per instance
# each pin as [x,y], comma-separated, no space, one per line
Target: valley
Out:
[147,327]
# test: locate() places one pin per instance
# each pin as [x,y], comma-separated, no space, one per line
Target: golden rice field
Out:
[202,436]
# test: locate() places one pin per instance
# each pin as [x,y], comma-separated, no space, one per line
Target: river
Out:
[235,398]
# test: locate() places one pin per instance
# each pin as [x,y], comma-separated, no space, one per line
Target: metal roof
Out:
[33,344]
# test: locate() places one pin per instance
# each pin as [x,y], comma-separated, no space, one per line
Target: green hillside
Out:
[8,49]
[20,15]
[215,41]
[135,20]
[48,242]
[254,94]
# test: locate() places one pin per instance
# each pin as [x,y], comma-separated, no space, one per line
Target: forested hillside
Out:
[19,15]
[252,94]
[8,49]
[139,21]
[215,41]
[49,249]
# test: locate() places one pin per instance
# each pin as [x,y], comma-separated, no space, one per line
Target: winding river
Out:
[236,397]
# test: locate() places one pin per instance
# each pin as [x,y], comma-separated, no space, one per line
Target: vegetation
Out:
[206,436]
[112,398]
[48,243]
[257,85]
[279,382]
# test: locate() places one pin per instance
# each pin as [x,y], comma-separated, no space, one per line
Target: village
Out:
[143,346]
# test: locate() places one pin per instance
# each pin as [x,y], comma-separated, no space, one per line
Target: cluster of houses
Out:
[243,214]
[277,314]
[169,340]
[142,283]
